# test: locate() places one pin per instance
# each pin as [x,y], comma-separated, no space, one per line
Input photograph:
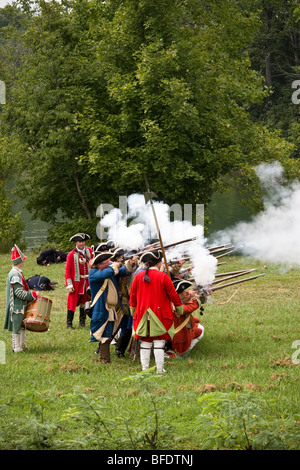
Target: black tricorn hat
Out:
[80,237]
[181,285]
[99,257]
[131,253]
[118,252]
[152,256]
[111,244]
[100,248]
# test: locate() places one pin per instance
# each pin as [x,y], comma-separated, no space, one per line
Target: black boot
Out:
[82,317]
[134,350]
[122,343]
[70,317]
[104,352]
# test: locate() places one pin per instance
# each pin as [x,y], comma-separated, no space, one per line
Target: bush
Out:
[11,226]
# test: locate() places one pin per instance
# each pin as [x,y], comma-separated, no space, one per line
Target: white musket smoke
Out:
[273,235]
[137,228]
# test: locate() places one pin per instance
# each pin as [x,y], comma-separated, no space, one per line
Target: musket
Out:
[175,261]
[233,272]
[186,270]
[157,245]
[217,247]
[180,242]
[220,249]
[148,197]
[235,282]
[225,254]
[233,276]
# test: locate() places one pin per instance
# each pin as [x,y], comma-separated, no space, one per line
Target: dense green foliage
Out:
[99,93]
[275,52]
[11,225]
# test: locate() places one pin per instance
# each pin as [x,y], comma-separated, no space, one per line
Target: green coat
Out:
[16,300]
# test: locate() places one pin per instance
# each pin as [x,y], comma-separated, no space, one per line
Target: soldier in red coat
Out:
[76,275]
[151,297]
[188,330]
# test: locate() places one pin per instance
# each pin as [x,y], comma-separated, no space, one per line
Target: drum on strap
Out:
[37,316]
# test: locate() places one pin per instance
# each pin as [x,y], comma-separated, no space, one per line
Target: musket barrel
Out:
[219,246]
[234,272]
[157,245]
[233,276]
[225,254]
[235,282]
[219,250]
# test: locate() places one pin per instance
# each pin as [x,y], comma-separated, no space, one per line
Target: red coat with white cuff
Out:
[76,275]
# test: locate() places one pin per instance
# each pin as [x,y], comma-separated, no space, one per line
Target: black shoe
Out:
[70,317]
[119,353]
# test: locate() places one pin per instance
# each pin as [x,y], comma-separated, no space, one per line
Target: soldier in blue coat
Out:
[105,301]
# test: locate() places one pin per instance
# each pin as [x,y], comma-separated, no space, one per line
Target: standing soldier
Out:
[76,274]
[151,295]
[17,297]
[106,301]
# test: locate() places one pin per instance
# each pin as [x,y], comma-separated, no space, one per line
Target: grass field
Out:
[238,389]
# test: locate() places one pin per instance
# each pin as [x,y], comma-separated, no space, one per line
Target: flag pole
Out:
[148,197]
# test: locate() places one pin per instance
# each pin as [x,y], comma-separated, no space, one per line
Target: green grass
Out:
[57,395]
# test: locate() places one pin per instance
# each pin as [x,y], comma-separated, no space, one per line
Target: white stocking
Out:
[16,342]
[145,353]
[159,355]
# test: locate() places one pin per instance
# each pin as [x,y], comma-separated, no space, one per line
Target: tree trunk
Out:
[82,199]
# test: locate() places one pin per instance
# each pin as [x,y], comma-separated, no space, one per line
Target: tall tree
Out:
[57,80]
[11,224]
[108,91]
[181,84]
[275,52]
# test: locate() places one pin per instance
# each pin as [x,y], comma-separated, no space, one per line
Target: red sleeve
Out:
[132,300]
[34,294]
[190,307]
[69,267]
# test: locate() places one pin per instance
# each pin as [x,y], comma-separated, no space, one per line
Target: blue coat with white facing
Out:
[106,311]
